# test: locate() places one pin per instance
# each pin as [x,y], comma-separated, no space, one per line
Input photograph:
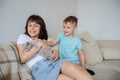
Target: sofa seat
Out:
[107,70]
[106,74]
[109,64]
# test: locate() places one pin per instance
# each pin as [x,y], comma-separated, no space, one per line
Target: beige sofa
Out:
[102,56]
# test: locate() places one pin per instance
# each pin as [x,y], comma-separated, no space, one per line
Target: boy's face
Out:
[69,28]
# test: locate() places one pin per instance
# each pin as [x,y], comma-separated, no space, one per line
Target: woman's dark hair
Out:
[43,32]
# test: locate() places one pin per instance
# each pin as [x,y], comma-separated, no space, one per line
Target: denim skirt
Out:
[46,69]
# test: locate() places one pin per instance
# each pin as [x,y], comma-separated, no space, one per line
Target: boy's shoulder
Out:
[77,37]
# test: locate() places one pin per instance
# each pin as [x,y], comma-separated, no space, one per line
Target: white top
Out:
[23,38]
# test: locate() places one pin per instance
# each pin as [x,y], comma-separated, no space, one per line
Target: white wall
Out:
[101,18]
[13,15]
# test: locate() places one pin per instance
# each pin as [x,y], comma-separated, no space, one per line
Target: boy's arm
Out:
[82,58]
[53,42]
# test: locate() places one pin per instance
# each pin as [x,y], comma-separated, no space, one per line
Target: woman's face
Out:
[33,30]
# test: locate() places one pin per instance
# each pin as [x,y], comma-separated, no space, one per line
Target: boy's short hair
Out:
[71,19]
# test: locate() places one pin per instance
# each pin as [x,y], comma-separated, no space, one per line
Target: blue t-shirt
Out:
[69,47]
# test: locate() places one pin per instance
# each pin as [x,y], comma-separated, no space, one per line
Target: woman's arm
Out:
[25,56]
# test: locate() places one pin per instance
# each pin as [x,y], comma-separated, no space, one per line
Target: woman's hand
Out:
[55,52]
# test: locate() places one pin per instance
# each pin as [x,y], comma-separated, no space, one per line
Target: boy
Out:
[69,46]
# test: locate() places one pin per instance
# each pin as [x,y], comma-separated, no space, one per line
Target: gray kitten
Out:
[44,52]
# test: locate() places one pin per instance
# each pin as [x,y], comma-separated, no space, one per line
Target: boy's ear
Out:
[76,28]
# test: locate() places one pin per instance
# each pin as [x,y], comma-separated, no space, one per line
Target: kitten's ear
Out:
[27,46]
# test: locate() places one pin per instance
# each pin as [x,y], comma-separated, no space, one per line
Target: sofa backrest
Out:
[110,48]
[8,63]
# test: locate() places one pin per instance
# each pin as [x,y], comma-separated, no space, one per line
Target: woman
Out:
[44,69]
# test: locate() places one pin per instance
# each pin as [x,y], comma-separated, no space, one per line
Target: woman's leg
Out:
[75,72]
[64,77]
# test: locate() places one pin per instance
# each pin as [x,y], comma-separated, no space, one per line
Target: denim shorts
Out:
[46,69]
[77,63]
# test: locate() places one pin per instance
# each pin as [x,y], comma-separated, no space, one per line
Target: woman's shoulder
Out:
[23,35]
[23,38]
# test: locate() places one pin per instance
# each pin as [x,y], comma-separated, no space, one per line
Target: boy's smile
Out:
[69,29]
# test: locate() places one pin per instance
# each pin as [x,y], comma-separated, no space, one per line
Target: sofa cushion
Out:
[10,66]
[110,53]
[91,49]
[8,63]
[23,70]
